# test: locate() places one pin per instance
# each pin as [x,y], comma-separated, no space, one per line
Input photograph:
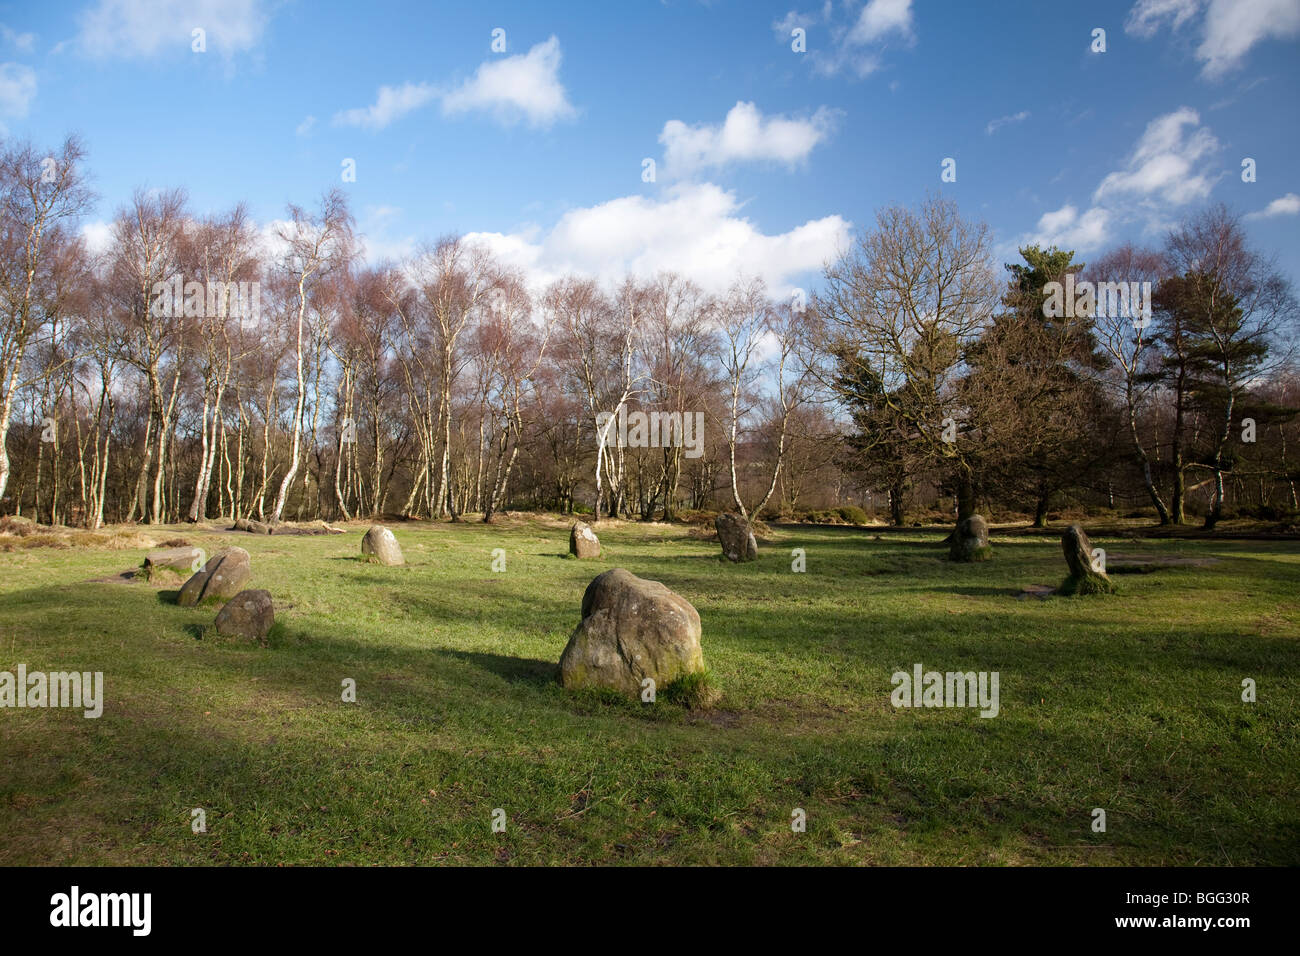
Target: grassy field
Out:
[1130,703]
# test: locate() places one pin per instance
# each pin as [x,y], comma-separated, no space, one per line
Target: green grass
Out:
[1129,702]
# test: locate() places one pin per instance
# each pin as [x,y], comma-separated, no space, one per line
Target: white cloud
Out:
[995,125]
[270,238]
[745,135]
[1166,163]
[97,236]
[879,19]
[854,46]
[1229,30]
[1169,166]
[695,230]
[522,87]
[1065,228]
[392,103]
[1288,205]
[377,244]
[787,24]
[1147,16]
[306,126]
[526,86]
[1232,27]
[25,42]
[17,89]
[125,28]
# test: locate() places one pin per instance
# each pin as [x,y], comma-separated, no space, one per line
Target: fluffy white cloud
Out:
[1169,166]
[1232,27]
[392,103]
[1229,30]
[1065,228]
[17,89]
[306,126]
[97,236]
[695,230]
[995,125]
[1166,163]
[879,19]
[125,28]
[1288,205]
[854,46]
[524,87]
[745,135]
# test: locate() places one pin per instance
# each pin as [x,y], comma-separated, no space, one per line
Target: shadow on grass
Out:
[517,670]
[985,591]
[938,773]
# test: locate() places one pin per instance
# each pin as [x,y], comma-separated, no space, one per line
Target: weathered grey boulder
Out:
[736,537]
[583,542]
[310,528]
[178,560]
[1084,577]
[382,546]
[249,614]
[631,629]
[223,576]
[970,542]
[251,526]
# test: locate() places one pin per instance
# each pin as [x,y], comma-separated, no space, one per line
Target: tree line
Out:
[201,365]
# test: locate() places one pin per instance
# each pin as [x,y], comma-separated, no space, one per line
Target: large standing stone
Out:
[249,614]
[970,542]
[381,544]
[631,629]
[583,542]
[1084,578]
[223,576]
[736,537]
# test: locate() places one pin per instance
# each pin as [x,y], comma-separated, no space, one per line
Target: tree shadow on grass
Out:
[944,770]
[516,670]
[984,591]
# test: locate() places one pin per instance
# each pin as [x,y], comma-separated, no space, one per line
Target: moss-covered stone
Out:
[970,541]
[631,629]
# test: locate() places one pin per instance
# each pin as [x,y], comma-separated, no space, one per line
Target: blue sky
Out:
[766,158]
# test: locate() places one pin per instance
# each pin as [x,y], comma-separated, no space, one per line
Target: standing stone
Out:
[223,576]
[1083,578]
[381,544]
[631,629]
[970,542]
[736,537]
[249,614]
[583,542]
